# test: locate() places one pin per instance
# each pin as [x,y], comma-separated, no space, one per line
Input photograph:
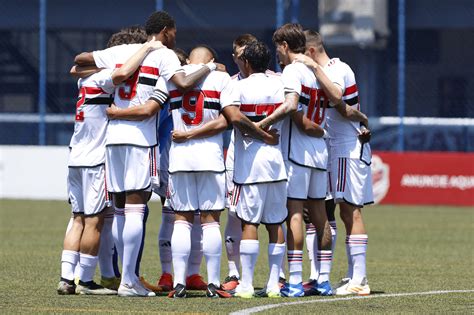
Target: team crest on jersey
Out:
[380,178]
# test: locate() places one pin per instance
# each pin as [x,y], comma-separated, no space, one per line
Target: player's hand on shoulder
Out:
[365,135]
[154,44]
[220,67]
[111,111]
[179,136]
[306,60]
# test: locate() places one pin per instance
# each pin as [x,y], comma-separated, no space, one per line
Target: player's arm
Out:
[83,71]
[84,59]
[352,114]
[131,65]
[332,90]
[207,130]
[184,82]
[308,126]
[247,127]
[140,112]
[289,106]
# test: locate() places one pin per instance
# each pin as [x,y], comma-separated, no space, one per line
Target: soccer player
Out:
[233,229]
[350,175]
[259,172]
[131,145]
[87,187]
[306,156]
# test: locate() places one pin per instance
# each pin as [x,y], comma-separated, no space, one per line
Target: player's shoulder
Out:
[162,53]
[338,64]
[97,78]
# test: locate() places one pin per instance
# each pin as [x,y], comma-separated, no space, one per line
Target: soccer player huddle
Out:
[151,119]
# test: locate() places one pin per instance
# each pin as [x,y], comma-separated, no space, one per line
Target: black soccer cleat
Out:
[178,292]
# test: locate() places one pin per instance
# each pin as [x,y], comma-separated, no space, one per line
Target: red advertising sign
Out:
[423,178]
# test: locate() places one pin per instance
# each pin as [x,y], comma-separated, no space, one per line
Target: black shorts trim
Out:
[300,199]
[280,223]
[302,165]
[131,145]
[216,172]
[257,183]
[352,204]
[322,198]
[86,166]
[198,210]
[132,190]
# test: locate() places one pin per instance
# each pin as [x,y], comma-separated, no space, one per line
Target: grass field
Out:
[411,249]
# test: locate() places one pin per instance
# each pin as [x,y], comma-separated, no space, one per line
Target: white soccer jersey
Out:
[192,110]
[255,161]
[343,133]
[88,141]
[297,146]
[136,91]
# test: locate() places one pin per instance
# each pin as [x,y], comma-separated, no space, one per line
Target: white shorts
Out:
[162,189]
[131,168]
[191,191]
[87,190]
[261,203]
[229,186]
[351,181]
[305,183]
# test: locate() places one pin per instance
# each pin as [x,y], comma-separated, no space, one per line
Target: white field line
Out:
[270,306]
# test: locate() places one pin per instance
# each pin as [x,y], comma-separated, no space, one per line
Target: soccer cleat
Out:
[92,288]
[137,289]
[149,286]
[195,282]
[230,283]
[166,282]
[309,286]
[179,291]
[349,288]
[293,290]
[264,292]
[274,294]
[214,292]
[110,283]
[342,282]
[243,293]
[324,289]
[66,287]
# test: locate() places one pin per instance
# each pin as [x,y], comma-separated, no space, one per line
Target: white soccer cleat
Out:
[351,288]
[134,290]
[342,282]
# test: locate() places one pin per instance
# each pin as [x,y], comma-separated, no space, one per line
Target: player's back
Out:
[256,161]
[297,146]
[136,90]
[88,141]
[192,110]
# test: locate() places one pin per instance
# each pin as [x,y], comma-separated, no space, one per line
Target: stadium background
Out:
[419,97]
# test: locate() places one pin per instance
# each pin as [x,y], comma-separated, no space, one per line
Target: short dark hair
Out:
[258,56]
[182,55]
[157,21]
[315,39]
[293,35]
[209,48]
[121,38]
[137,31]
[243,40]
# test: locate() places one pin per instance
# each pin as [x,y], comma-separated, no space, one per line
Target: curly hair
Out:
[157,21]
[137,31]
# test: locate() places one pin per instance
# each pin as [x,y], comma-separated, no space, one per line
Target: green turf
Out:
[411,249]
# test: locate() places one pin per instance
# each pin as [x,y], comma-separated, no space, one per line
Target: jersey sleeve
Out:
[104,80]
[105,58]
[160,92]
[170,65]
[336,75]
[230,94]
[291,79]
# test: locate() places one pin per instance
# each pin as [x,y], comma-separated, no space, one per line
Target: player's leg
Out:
[70,254]
[118,224]
[323,247]
[211,196]
[164,244]
[298,184]
[194,281]
[353,191]
[106,252]
[310,239]
[183,199]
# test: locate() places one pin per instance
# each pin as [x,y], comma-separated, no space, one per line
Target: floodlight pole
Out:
[279,20]
[295,11]
[42,80]
[401,74]
[159,5]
